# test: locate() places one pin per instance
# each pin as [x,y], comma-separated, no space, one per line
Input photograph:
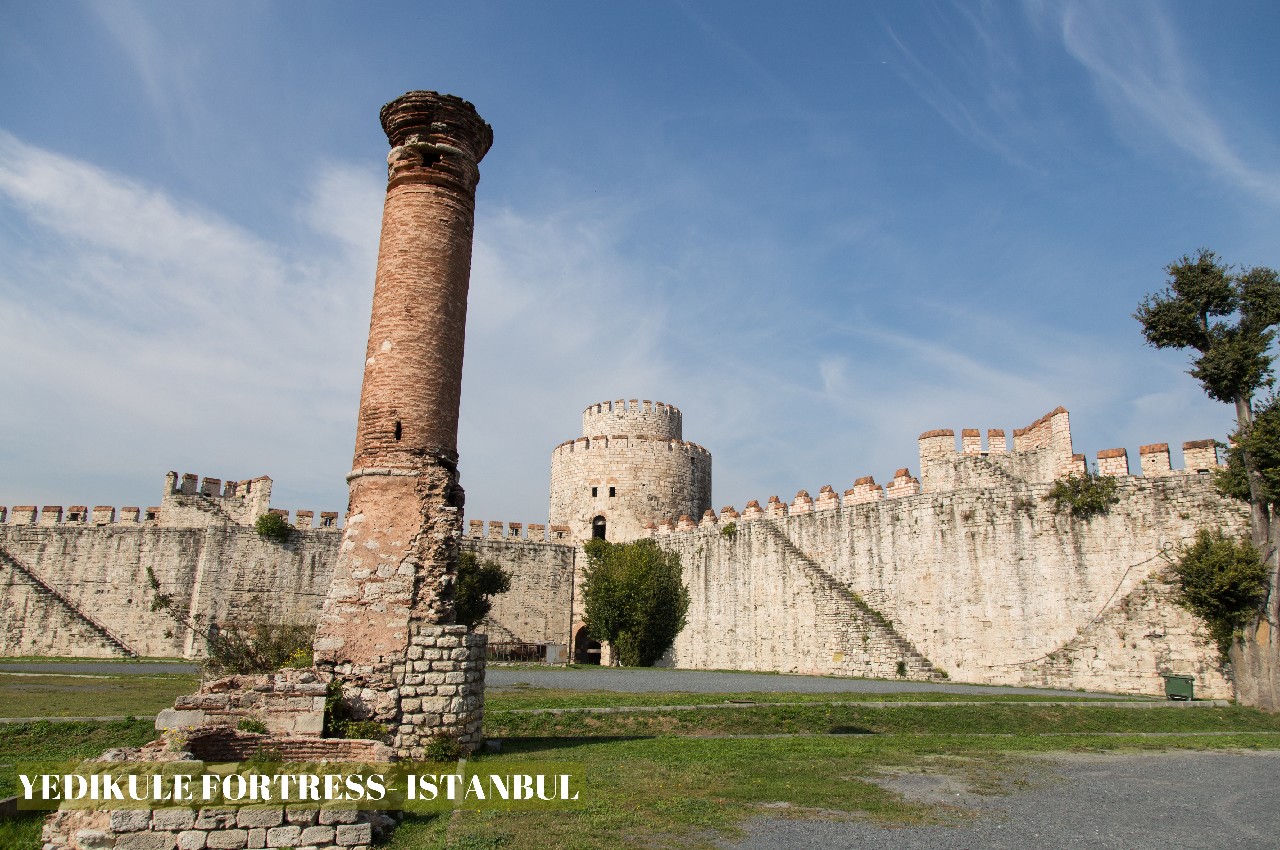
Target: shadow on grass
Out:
[534,744]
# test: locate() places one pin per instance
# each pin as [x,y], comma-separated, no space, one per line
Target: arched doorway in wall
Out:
[598,528]
[585,650]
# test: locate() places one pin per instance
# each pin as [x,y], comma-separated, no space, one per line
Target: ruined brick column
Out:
[386,627]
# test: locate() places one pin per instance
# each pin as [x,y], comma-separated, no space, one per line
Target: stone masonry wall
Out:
[989,585]
[536,609]
[219,573]
[100,575]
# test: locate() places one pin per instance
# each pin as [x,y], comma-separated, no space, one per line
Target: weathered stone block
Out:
[173,819]
[317,835]
[351,834]
[264,817]
[146,841]
[284,836]
[305,815]
[173,718]
[227,839]
[331,816]
[130,820]
[191,840]
[215,818]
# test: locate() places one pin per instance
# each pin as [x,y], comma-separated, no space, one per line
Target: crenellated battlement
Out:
[633,417]
[187,502]
[1041,446]
[1041,452]
[537,532]
[628,441]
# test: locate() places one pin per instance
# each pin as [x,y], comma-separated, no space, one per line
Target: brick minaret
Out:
[393,582]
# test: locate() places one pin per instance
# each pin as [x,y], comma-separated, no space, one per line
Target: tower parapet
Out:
[637,416]
[630,468]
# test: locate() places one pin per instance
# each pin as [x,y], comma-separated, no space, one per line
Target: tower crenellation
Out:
[630,468]
[633,417]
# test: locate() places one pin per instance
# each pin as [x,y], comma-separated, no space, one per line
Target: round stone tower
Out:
[629,468]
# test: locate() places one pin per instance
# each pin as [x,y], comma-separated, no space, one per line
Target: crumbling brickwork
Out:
[392,585]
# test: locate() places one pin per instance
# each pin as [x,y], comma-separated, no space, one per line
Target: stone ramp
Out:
[863,642]
[48,592]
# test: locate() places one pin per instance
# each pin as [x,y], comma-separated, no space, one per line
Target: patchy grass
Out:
[520,696]
[683,792]
[656,779]
[57,741]
[60,695]
[22,832]
[990,719]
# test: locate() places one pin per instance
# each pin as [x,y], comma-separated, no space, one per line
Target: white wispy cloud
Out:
[1145,72]
[965,68]
[149,334]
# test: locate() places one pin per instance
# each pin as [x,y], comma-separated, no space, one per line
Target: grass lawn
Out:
[60,695]
[680,778]
[521,696]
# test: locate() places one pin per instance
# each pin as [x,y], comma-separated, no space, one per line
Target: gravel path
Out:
[1126,802]
[708,682]
[612,679]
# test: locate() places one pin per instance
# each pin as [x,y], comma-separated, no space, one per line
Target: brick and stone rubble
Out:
[223,827]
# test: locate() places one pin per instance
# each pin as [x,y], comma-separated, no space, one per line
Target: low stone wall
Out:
[288,702]
[226,828]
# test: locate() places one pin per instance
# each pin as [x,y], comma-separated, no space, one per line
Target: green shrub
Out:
[365,730]
[336,711]
[257,646]
[252,724]
[442,748]
[729,530]
[477,583]
[1083,496]
[1222,582]
[902,668]
[273,527]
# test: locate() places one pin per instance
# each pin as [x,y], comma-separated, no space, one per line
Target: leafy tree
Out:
[635,599]
[1228,318]
[1222,581]
[477,584]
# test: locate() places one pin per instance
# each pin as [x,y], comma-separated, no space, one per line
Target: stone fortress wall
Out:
[967,571]
[76,581]
[630,468]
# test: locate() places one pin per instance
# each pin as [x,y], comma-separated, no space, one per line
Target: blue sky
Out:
[819,233]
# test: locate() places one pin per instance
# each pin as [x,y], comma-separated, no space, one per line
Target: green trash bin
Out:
[1179,687]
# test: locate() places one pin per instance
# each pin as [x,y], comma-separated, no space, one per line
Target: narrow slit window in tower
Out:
[397,430]
[613,491]
[594,492]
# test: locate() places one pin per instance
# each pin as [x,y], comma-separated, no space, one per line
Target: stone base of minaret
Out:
[384,632]
[436,690]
